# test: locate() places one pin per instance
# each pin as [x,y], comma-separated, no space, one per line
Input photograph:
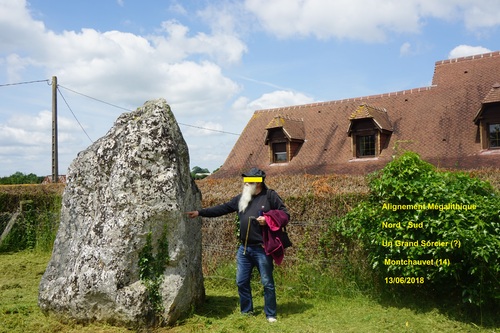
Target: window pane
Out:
[280,157]
[366,145]
[279,153]
[494,134]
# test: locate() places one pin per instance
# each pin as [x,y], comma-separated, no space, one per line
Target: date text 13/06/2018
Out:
[404,280]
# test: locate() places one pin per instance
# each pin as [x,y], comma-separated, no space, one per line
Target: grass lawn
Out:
[20,274]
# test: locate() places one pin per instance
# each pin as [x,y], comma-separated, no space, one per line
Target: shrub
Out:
[440,230]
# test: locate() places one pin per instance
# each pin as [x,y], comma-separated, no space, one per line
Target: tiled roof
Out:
[378,115]
[293,128]
[494,94]
[492,97]
[435,121]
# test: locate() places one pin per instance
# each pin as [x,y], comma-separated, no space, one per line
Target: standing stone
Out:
[125,252]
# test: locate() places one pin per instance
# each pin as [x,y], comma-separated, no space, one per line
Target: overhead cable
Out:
[95,99]
[209,129]
[83,129]
[125,109]
[25,82]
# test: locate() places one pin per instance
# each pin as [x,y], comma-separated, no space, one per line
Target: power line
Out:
[95,99]
[83,129]
[122,108]
[209,129]
[104,102]
[26,82]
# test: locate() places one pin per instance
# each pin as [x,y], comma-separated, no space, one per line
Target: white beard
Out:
[246,196]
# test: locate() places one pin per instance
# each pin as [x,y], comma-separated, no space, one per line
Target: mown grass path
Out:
[20,274]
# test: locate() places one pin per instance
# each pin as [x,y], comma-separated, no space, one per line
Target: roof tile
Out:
[293,128]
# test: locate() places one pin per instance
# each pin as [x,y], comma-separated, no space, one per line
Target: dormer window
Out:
[370,130]
[494,135]
[488,119]
[279,152]
[284,137]
[365,145]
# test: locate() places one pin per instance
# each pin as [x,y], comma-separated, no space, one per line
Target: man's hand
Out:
[261,220]
[193,214]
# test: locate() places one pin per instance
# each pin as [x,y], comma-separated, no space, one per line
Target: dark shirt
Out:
[258,203]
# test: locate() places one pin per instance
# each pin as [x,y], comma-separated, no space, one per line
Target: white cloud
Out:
[481,14]
[121,68]
[11,136]
[280,98]
[27,130]
[369,21]
[124,67]
[195,88]
[405,49]
[203,128]
[26,141]
[42,122]
[222,46]
[227,17]
[16,66]
[466,50]
[187,67]
[475,14]
[353,19]
[177,8]
[270,100]
[210,155]
[18,29]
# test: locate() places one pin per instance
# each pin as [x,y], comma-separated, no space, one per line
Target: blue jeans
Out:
[255,257]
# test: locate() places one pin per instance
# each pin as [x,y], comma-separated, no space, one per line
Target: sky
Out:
[214,61]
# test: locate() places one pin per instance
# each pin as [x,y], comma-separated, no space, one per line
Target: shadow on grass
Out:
[218,306]
[287,308]
[421,301]
[295,307]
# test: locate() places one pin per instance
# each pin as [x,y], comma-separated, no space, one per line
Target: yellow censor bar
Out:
[252,179]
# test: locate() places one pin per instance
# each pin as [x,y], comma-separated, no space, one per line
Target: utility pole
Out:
[55,162]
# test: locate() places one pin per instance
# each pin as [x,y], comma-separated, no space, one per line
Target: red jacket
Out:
[276,219]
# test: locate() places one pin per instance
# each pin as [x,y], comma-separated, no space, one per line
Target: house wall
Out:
[294,148]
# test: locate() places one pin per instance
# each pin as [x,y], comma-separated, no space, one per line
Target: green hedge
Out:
[437,231]
[38,219]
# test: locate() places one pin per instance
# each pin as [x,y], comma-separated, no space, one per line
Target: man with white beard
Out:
[255,200]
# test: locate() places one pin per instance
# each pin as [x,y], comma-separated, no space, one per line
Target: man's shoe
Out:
[272,319]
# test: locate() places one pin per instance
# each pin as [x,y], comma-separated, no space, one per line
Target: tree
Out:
[199,173]
[20,178]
